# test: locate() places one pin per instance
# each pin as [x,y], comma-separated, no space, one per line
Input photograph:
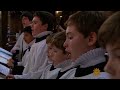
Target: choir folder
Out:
[4,56]
[4,70]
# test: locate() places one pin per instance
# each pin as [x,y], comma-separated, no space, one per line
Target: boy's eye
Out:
[50,48]
[69,37]
[117,56]
[34,22]
[55,51]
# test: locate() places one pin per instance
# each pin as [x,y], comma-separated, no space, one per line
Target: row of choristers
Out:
[47,53]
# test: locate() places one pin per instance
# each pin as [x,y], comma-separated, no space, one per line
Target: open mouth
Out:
[68,55]
[67,50]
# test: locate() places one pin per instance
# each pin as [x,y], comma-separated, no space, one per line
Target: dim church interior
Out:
[11,26]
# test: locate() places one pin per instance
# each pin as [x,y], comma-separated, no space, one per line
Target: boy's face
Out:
[75,43]
[113,64]
[25,21]
[28,37]
[57,55]
[37,26]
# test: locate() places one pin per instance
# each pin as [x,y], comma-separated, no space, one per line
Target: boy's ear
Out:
[92,38]
[45,26]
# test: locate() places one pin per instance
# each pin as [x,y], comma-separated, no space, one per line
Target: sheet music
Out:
[5,51]
[5,55]
[3,60]
[4,70]
[1,77]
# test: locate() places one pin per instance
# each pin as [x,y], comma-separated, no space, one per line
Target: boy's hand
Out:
[10,63]
[13,51]
[10,76]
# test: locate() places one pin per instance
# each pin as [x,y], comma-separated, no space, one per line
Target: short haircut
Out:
[86,22]
[49,38]
[58,40]
[28,29]
[27,14]
[109,32]
[46,18]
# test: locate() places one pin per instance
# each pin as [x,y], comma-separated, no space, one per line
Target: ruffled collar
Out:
[43,34]
[90,58]
[63,64]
